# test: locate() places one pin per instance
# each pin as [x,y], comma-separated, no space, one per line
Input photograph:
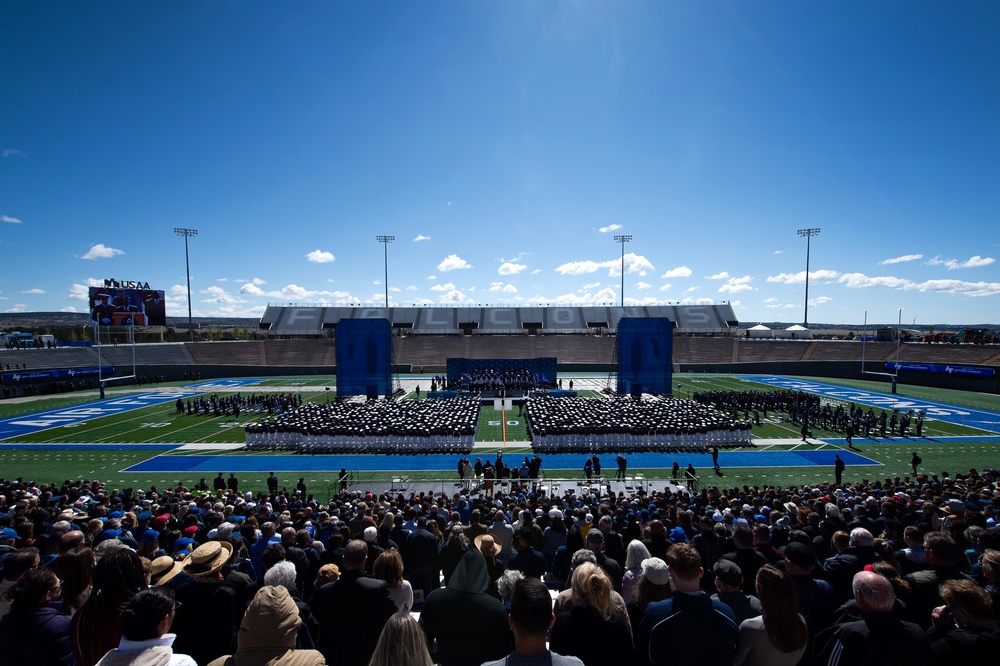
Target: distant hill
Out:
[23,320]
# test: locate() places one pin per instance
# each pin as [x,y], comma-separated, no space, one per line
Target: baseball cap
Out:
[728,572]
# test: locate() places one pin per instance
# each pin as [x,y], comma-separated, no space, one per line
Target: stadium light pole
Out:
[385,240]
[623,238]
[187,233]
[808,233]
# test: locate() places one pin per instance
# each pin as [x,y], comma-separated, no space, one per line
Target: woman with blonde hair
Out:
[635,555]
[779,636]
[594,613]
[389,567]
[402,643]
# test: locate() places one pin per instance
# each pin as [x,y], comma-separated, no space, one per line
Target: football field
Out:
[137,437]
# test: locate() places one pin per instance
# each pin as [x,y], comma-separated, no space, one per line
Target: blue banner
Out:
[22,376]
[947,369]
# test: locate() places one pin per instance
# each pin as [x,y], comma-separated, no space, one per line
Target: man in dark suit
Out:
[352,611]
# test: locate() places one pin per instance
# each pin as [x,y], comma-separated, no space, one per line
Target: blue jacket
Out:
[687,629]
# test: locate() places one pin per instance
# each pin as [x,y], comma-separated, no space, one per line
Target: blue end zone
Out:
[572,463]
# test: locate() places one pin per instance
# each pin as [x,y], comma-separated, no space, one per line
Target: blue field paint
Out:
[19,426]
[565,463]
[975,418]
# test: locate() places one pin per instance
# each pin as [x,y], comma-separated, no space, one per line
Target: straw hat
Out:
[207,558]
[486,545]
[164,569]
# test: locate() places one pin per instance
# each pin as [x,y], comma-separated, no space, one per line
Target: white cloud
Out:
[510,268]
[862,281]
[453,262]
[954,264]
[642,285]
[536,271]
[432,277]
[590,285]
[819,300]
[633,264]
[220,296]
[736,285]
[177,290]
[395,289]
[443,287]
[800,277]
[610,227]
[900,260]
[779,251]
[691,290]
[679,272]
[957,287]
[453,296]
[10,220]
[320,257]
[724,275]
[421,237]
[34,291]
[411,287]
[665,286]
[68,308]
[101,251]
[11,152]
[78,292]
[251,290]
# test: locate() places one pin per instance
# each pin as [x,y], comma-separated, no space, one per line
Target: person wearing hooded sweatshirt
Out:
[267,634]
[464,624]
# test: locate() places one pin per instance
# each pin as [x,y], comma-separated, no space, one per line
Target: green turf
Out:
[160,425]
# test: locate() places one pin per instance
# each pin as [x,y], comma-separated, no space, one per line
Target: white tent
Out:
[797,332]
[760,331]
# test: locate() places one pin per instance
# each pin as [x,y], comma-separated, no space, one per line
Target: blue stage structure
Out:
[645,353]
[364,358]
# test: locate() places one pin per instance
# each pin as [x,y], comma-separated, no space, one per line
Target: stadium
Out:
[168,411]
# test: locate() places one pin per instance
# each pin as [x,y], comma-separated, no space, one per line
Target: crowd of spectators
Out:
[882,571]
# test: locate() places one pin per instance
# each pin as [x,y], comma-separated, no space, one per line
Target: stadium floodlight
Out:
[623,238]
[808,233]
[385,240]
[187,233]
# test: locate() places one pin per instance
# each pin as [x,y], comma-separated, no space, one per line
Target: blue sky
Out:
[504,145]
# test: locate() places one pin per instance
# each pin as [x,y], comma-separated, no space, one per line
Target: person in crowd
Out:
[593,613]
[653,585]
[146,622]
[687,628]
[729,583]
[879,637]
[814,596]
[352,610]
[96,628]
[526,559]
[943,556]
[268,634]
[35,630]
[745,557]
[779,635]
[636,554]
[283,574]
[529,621]
[488,547]
[15,565]
[839,570]
[464,625]
[964,630]
[75,569]
[209,614]
[402,643]
[389,567]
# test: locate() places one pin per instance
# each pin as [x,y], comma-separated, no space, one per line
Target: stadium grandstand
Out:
[296,340]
